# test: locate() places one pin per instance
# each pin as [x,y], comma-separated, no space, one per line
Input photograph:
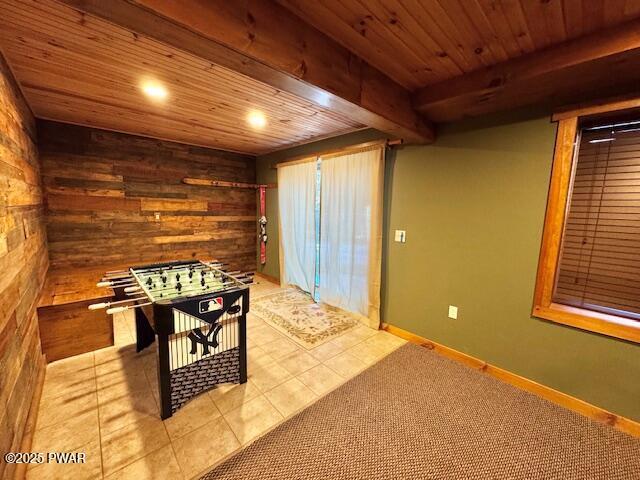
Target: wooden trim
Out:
[618,422]
[556,209]
[269,278]
[584,319]
[205,182]
[359,147]
[32,418]
[296,161]
[600,106]
[349,151]
[543,305]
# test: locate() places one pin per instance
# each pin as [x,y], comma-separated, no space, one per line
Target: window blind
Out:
[599,264]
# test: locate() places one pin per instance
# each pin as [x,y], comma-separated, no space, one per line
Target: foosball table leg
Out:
[242,351]
[164,376]
[145,335]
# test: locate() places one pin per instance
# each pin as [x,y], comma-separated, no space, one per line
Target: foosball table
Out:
[197,311]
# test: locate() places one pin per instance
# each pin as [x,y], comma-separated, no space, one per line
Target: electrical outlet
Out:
[401,236]
[453,312]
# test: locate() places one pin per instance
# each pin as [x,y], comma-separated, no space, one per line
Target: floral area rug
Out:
[308,323]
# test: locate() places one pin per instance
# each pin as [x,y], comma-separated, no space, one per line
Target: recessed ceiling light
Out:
[256,119]
[154,90]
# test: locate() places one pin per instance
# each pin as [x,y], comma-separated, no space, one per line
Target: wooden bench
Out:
[67,326]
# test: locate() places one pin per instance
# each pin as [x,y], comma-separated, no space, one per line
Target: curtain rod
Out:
[335,152]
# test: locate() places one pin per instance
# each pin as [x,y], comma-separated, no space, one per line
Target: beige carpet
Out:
[416,415]
[308,323]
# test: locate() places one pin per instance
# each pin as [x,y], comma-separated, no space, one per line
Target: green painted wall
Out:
[473,207]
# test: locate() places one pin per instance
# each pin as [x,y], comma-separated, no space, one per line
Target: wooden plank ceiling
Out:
[423,42]
[80,69]
[315,68]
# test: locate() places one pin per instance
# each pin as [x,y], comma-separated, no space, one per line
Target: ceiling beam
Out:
[597,65]
[267,42]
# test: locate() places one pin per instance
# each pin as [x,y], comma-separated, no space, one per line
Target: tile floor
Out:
[105,403]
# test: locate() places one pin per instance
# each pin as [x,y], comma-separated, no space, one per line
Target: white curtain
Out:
[296,198]
[351,232]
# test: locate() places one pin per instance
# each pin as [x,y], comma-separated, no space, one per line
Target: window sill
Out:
[602,323]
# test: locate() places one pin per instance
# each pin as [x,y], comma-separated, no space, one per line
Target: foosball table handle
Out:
[97,306]
[113,310]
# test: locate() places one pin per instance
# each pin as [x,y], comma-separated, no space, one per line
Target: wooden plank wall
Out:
[103,190]
[23,264]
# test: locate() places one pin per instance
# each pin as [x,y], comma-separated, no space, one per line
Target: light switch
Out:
[157,215]
[401,236]
[453,312]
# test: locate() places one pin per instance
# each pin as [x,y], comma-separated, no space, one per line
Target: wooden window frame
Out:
[559,190]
